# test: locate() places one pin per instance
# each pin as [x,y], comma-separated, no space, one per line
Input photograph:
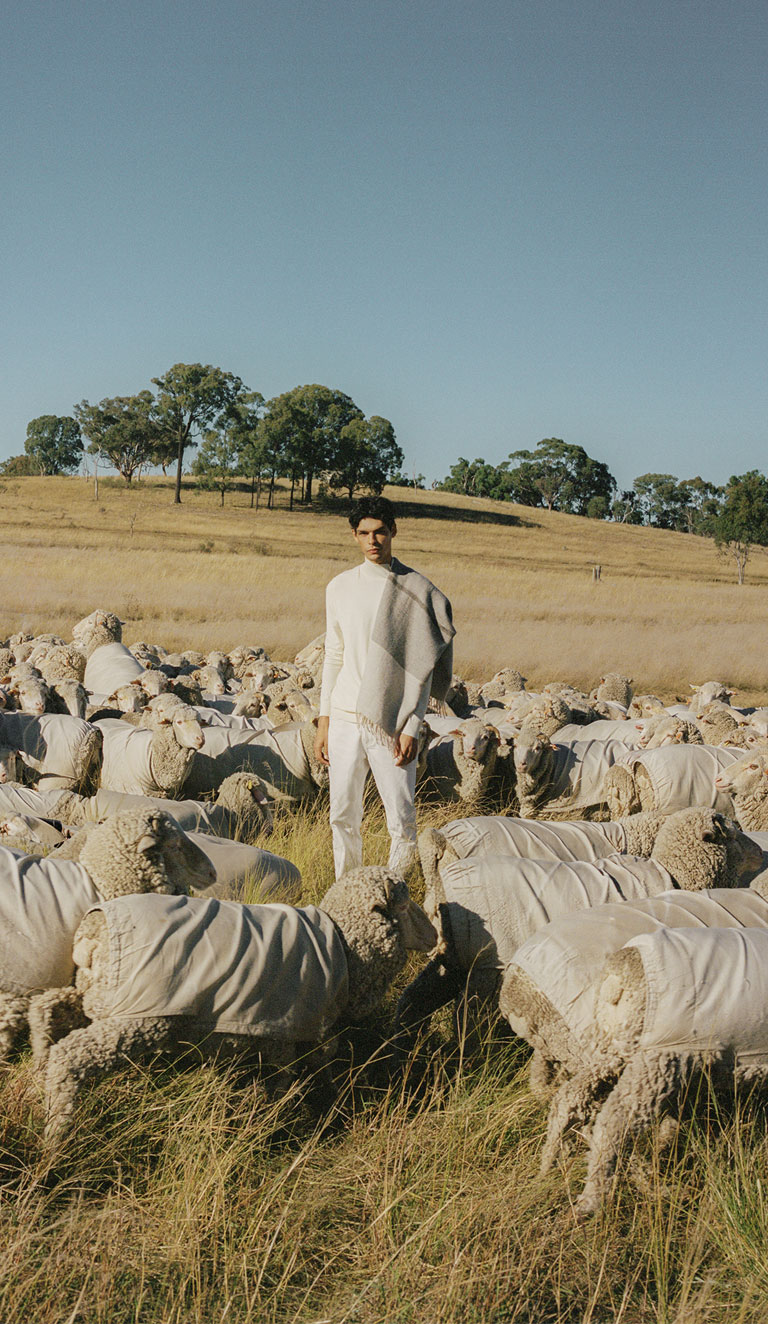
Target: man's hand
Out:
[406,749]
[321,742]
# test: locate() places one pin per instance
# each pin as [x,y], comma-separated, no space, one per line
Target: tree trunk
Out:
[293,484]
[222,494]
[253,486]
[258,490]
[270,499]
[308,487]
[179,462]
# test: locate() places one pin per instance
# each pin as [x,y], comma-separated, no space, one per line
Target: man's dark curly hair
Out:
[372,507]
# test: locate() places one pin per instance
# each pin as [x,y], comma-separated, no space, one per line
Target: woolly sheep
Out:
[707,693]
[666,779]
[746,783]
[547,987]
[507,681]
[59,751]
[149,762]
[614,688]
[717,722]
[673,1004]
[461,765]
[42,901]
[241,808]
[269,979]
[666,729]
[93,631]
[560,781]
[486,907]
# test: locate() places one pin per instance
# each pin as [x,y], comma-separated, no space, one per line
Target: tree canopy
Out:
[742,521]
[123,430]
[192,398]
[54,444]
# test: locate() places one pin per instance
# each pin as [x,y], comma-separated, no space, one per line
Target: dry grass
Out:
[667,610]
[190,1198]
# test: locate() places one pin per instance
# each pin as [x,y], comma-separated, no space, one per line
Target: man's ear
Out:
[393,530]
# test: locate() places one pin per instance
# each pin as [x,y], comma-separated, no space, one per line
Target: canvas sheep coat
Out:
[248,870]
[277,757]
[533,839]
[684,775]
[191,815]
[494,903]
[42,902]
[566,957]
[579,768]
[706,991]
[126,764]
[52,744]
[109,667]
[269,971]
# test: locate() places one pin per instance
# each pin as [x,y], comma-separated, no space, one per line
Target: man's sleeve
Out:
[334,652]
[411,727]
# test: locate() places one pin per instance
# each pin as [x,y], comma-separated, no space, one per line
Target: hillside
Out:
[666,611]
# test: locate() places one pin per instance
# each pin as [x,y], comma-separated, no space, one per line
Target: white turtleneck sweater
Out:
[351,603]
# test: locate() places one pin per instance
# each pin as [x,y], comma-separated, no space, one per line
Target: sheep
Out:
[67,696]
[28,835]
[284,760]
[150,762]
[671,1005]
[645,705]
[746,782]
[534,839]
[507,681]
[61,662]
[11,764]
[614,688]
[717,722]
[486,907]
[463,763]
[269,979]
[58,750]
[547,986]
[666,729]
[560,781]
[94,631]
[545,718]
[672,777]
[42,902]
[241,808]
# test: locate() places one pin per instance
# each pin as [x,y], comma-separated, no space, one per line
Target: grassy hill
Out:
[667,609]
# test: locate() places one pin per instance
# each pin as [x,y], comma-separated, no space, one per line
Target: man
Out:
[388,647]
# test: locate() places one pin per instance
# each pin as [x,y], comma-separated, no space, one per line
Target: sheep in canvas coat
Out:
[268,979]
[666,779]
[149,762]
[559,781]
[672,1004]
[58,751]
[746,782]
[283,759]
[241,808]
[487,906]
[462,764]
[42,901]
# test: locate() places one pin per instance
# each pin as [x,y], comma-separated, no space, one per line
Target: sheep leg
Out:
[570,1107]
[52,1015]
[648,1082]
[13,1018]
[541,1075]
[90,1054]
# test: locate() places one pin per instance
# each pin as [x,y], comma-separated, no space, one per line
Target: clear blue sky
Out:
[489,222]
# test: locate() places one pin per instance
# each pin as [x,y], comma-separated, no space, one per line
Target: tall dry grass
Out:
[667,610]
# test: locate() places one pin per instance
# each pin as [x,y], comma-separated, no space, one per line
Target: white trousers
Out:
[351,753]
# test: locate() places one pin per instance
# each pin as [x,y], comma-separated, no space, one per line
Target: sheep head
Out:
[144,850]
[701,848]
[379,924]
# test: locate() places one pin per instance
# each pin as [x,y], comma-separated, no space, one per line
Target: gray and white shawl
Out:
[412,640]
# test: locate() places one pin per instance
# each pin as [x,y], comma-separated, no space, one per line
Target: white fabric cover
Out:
[241,868]
[567,956]
[495,903]
[579,770]
[110,666]
[706,991]
[191,815]
[126,765]
[683,776]
[256,970]
[210,716]
[534,839]
[51,743]
[17,799]
[277,757]
[41,904]
[604,729]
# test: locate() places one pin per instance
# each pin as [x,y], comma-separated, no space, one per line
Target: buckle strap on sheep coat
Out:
[412,640]
[256,970]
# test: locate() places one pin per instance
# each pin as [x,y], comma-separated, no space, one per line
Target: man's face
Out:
[375,540]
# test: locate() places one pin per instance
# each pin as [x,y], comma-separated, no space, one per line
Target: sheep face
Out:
[379,923]
[10,765]
[701,848]
[187,728]
[531,756]
[144,851]
[746,777]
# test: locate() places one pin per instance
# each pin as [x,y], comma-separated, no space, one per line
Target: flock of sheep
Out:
[616,915]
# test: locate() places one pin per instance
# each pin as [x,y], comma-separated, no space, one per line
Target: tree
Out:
[700,504]
[625,508]
[54,444]
[743,518]
[19,466]
[218,461]
[193,398]
[304,428]
[122,429]
[661,501]
[564,476]
[366,455]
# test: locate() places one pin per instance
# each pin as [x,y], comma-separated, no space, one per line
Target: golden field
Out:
[187,1198]
[667,610]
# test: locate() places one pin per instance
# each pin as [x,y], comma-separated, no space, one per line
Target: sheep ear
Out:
[417,931]
[147,842]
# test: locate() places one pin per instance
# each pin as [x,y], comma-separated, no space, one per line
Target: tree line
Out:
[305,434]
[563,477]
